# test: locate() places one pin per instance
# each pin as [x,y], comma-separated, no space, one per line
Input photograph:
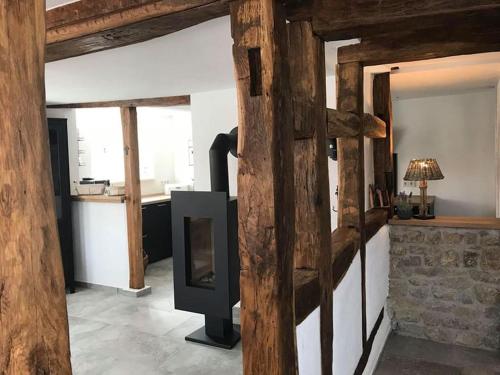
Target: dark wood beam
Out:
[94,25]
[345,246]
[374,127]
[266,205]
[376,218]
[307,293]
[347,19]
[437,42]
[167,101]
[133,197]
[351,161]
[347,124]
[383,149]
[34,335]
[306,56]
[342,124]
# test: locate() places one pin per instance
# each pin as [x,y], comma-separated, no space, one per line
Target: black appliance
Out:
[205,251]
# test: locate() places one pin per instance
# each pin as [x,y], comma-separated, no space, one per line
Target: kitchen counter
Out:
[149,199]
[157,198]
[99,198]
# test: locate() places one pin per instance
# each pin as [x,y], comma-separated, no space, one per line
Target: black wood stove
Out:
[205,251]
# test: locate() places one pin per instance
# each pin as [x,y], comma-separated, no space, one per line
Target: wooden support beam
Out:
[345,246]
[265,187]
[312,194]
[436,42]
[167,101]
[383,149]
[307,293]
[342,124]
[347,19]
[376,218]
[94,25]
[351,162]
[34,335]
[374,127]
[133,197]
[346,124]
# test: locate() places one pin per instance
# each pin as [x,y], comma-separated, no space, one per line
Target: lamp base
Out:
[424,217]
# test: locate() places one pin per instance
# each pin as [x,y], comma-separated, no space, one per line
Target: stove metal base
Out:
[200,337]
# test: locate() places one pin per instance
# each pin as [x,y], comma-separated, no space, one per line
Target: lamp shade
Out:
[423,169]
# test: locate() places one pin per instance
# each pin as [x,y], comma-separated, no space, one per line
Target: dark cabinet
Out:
[58,140]
[157,230]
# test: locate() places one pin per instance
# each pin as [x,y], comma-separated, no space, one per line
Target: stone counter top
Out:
[451,222]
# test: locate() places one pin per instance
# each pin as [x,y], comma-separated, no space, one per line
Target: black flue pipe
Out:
[222,145]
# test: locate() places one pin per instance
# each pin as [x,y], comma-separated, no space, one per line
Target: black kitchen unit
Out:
[157,230]
[58,138]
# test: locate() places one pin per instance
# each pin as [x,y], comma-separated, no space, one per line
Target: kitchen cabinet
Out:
[157,230]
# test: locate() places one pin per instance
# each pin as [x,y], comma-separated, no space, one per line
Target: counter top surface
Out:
[150,199]
[451,222]
[99,198]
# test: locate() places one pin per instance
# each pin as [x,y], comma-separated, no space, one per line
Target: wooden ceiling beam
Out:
[167,101]
[347,19]
[94,25]
[434,43]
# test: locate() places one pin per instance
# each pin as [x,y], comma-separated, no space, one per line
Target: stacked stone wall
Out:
[445,285]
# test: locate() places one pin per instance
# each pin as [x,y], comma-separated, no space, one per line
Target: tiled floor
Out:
[409,356]
[114,334]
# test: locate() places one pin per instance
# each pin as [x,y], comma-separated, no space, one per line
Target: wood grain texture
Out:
[312,193]
[96,25]
[474,36]
[342,124]
[266,206]
[33,318]
[167,101]
[383,149]
[133,197]
[307,293]
[351,162]
[345,246]
[373,127]
[376,218]
[347,19]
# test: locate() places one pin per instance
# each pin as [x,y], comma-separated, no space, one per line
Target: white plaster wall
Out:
[459,131]
[213,112]
[100,244]
[347,327]
[309,344]
[377,275]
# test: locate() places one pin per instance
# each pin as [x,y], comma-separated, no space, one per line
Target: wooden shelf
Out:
[99,198]
[451,222]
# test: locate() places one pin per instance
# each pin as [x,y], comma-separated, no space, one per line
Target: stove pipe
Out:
[222,145]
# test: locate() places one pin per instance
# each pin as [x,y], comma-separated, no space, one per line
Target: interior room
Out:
[250,187]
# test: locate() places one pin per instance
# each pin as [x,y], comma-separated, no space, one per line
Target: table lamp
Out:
[423,170]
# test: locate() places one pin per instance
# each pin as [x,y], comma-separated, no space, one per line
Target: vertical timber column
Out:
[133,197]
[312,192]
[351,165]
[383,149]
[265,187]
[33,318]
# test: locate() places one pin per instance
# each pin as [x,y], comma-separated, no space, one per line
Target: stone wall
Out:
[445,285]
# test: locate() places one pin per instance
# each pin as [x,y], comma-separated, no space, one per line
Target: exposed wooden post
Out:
[265,187]
[383,149]
[312,193]
[351,165]
[133,197]
[33,318]
[342,124]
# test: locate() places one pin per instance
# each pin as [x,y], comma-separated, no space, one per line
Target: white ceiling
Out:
[443,76]
[57,3]
[200,59]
